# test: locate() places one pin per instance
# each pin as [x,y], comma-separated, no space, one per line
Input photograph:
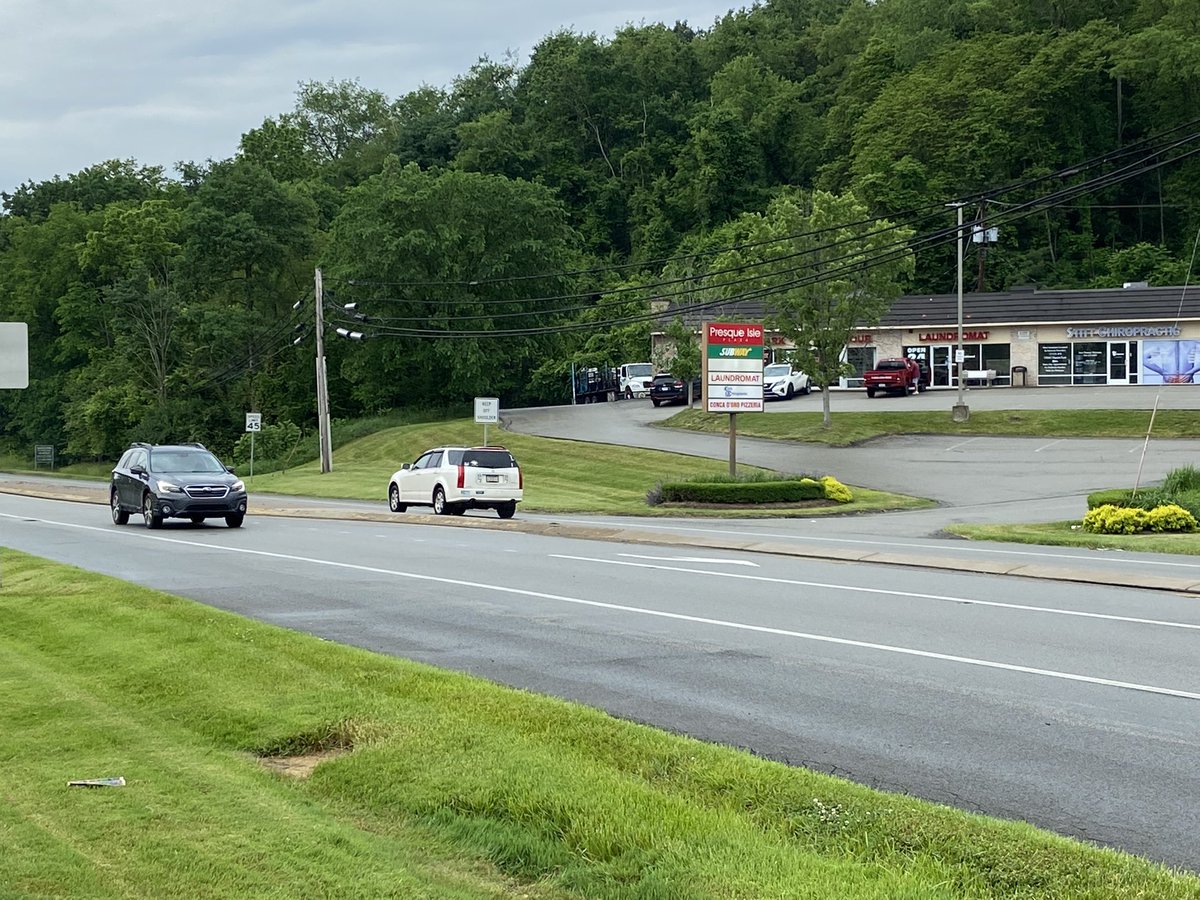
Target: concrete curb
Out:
[631,535]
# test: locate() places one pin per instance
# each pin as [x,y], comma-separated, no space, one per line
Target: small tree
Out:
[681,356]
[817,277]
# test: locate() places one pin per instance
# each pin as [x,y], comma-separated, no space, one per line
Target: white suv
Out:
[454,479]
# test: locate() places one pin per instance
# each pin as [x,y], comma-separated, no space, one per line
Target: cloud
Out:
[83,81]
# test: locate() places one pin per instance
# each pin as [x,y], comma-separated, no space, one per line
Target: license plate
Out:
[492,479]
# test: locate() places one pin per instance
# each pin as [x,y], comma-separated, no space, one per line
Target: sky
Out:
[84,81]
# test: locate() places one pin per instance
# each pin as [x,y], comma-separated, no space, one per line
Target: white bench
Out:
[985,375]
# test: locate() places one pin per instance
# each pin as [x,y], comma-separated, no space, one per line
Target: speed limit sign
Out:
[254,421]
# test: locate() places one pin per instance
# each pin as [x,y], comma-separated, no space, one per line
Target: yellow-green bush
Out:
[835,490]
[1109,519]
[1171,517]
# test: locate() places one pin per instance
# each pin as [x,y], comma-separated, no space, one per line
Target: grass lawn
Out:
[439,784]
[1069,534]
[560,476]
[848,428]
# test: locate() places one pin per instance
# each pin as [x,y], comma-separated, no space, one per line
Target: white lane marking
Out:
[1046,446]
[887,592]
[678,617]
[954,447]
[694,559]
[803,538]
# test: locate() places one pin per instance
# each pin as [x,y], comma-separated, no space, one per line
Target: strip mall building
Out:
[1030,337]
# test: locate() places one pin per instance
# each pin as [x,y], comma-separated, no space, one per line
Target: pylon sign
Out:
[733,367]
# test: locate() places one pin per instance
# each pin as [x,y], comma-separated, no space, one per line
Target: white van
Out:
[636,379]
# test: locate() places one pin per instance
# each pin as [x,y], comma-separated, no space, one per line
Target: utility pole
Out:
[326,443]
[961,412]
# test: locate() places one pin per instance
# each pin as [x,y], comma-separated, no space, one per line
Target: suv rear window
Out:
[489,459]
[892,364]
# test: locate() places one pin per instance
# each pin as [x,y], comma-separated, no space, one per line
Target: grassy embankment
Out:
[445,786]
[560,476]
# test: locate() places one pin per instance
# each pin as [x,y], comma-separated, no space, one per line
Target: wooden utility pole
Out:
[326,442]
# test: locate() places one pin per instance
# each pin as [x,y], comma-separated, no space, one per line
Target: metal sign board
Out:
[14,355]
[487,410]
[254,421]
[733,364]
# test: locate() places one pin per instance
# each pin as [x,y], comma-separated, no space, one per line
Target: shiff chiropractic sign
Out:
[733,367]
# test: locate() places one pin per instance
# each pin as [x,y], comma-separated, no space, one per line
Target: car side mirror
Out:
[406,466]
[137,470]
[229,469]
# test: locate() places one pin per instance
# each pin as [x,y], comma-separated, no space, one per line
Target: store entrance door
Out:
[1122,362]
[943,366]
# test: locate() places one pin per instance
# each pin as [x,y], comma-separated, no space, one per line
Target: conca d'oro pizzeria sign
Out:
[733,367]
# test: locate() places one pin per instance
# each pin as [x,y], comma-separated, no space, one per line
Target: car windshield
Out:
[776,371]
[184,461]
[640,371]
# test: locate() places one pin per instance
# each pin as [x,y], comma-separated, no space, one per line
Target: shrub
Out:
[1170,518]
[754,488]
[275,442]
[1111,519]
[835,490]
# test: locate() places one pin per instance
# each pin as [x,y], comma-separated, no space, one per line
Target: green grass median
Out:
[434,784]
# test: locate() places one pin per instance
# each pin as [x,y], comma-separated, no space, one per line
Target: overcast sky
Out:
[83,81]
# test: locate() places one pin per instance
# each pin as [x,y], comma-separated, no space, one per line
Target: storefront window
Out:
[1054,363]
[860,359]
[1089,362]
[1170,362]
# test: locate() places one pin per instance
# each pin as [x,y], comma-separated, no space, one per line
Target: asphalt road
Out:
[1071,706]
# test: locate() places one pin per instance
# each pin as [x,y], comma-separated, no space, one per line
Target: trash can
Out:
[1018,372]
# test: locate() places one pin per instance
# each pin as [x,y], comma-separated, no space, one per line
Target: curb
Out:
[631,535]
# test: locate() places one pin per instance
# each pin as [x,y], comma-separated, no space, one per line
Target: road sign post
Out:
[487,411]
[253,426]
[733,373]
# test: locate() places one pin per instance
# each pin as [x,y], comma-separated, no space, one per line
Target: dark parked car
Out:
[163,481]
[666,388]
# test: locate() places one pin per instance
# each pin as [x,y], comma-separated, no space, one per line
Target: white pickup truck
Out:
[635,379]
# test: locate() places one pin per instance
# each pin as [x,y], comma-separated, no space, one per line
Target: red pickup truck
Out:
[899,375]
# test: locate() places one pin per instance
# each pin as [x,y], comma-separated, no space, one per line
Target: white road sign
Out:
[254,421]
[14,355]
[487,410]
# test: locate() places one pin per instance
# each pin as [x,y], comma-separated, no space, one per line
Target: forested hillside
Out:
[483,237]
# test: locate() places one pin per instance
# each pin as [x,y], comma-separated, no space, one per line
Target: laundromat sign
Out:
[942,337]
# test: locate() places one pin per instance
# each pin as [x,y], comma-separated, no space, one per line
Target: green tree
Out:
[817,276]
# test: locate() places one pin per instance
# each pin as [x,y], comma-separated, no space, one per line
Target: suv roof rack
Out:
[140,444]
[194,444]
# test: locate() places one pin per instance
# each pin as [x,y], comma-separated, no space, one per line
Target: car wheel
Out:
[394,503]
[870,392]
[507,510]
[197,520]
[153,519]
[790,393]
[456,509]
[655,402]
[439,502]
[119,516]
[804,391]
[234,520]
[628,393]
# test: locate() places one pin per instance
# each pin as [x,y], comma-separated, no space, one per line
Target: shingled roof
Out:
[1019,306]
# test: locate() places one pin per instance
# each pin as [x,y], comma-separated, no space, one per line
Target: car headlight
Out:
[166,487]
[237,486]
